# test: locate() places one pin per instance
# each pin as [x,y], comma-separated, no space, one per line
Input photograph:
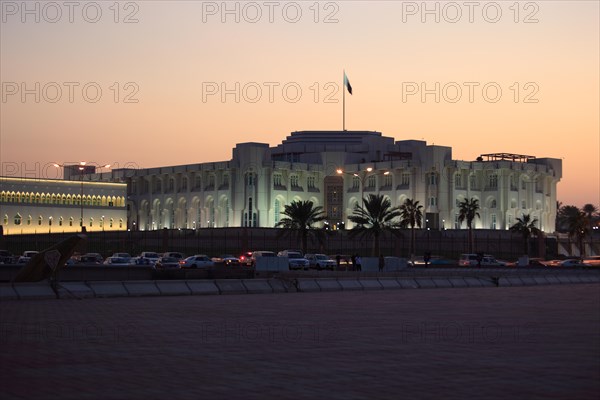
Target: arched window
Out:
[70,221]
[120,222]
[276,211]
[5,219]
[29,220]
[60,221]
[110,223]
[40,219]
[18,219]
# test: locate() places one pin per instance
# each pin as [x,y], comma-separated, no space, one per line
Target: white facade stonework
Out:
[51,205]
[253,187]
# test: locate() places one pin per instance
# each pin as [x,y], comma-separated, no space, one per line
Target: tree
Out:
[374,217]
[300,216]
[411,216]
[468,210]
[526,227]
[592,212]
[575,223]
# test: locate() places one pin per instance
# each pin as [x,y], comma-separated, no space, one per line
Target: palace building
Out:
[335,169]
[30,205]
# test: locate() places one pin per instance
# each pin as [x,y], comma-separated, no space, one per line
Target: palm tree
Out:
[570,220]
[526,227]
[591,212]
[468,211]
[411,215]
[374,217]
[300,217]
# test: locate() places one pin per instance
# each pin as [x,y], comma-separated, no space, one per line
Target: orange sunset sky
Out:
[161,66]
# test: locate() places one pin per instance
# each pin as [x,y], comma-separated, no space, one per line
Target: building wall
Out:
[46,205]
[253,188]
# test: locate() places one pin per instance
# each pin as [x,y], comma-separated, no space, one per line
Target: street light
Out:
[362,176]
[81,168]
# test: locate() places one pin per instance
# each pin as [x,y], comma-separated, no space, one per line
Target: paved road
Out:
[527,342]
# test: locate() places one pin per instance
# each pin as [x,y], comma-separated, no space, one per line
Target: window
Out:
[184,183]
[60,221]
[433,201]
[473,182]
[276,211]
[371,182]
[493,221]
[355,182]
[387,180]
[310,182]
[457,180]
[226,180]
[509,220]
[294,181]
[405,180]
[211,181]
[18,219]
[513,203]
[198,182]
[493,181]
[493,204]
[523,204]
[120,222]
[50,221]
[172,185]
[29,220]
[432,179]
[523,184]
[157,186]
[71,221]
[456,222]
[277,179]
[91,221]
[110,223]
[250,179]
[40,219]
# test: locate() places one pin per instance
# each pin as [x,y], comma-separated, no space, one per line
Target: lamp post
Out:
[362,176]
[81,168]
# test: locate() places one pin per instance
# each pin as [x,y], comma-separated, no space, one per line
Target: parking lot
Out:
[525,342]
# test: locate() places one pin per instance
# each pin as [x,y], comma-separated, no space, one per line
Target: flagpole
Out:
[344,101]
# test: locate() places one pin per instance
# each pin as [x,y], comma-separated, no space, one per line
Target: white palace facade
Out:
[334,169]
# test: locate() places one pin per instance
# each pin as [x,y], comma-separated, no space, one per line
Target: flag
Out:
[347,83]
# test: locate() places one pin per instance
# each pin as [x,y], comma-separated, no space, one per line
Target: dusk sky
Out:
[516,77]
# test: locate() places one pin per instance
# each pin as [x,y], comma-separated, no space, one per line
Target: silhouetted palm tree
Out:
[300,217]
[592,212]
[411,216]
[468,210]
[374,217]
[572,220]
[526,227]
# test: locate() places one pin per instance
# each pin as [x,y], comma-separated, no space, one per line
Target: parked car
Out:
[295,258]
[91,258]
[167,263]
[197,261]
[473,260]
[122,255]
[227,260]
[26,257]
[174,254]
[592,261]
[320,261]
[117,261]
[260,253]
[246,259]
[146,258]
[6,257]
[572,262]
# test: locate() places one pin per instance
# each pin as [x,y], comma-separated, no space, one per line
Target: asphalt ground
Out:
[482,343]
